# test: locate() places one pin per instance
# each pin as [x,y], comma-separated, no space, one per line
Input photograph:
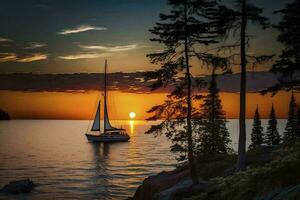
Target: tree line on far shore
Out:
[272,136]
[217,35]
[4,115]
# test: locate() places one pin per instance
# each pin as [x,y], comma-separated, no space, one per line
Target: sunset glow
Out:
[59,105]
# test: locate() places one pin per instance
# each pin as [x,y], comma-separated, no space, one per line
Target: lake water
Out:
[56,154]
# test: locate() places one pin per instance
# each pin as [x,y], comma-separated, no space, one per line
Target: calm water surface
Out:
[56,155]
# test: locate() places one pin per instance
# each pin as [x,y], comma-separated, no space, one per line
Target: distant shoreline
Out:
[4,115]
[120,119]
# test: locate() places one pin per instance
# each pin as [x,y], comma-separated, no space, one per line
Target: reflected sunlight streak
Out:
[131,122]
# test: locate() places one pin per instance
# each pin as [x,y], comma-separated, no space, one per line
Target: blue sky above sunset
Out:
[52,36]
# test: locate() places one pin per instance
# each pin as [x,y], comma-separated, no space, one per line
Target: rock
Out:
[154,184]
[169,193]
[185,188]
[177,184]
[170,185]
[21,186]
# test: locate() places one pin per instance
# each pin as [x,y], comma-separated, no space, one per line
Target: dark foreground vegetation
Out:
[272,173]
[217,35]
[277,178]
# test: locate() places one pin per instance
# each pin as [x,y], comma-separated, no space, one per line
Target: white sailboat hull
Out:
[107,138]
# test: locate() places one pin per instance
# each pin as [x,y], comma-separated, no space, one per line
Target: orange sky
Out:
[59,105]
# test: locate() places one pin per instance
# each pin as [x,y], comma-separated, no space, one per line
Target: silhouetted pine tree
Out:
[179,32]
[291,125]
[213,133]
[257,131]
[289,60]
[232,21]
[272,135]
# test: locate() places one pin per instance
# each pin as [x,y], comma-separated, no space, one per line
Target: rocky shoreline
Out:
[177,184]
[170,185]
[217,174]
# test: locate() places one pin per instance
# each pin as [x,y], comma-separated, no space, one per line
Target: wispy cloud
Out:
[35,45]
[81,28]
[110,48]
[5,40]
[12,57]
[32,57]
[84,56]
[6,57]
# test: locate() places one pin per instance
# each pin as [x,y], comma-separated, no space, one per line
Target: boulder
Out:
[20,186]
[154,184]
[184,189]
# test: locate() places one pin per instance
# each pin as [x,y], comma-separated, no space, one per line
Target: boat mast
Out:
[99,104]
[105,93]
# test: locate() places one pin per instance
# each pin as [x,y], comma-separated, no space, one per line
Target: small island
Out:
[4,115]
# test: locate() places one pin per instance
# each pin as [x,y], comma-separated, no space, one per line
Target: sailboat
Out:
[110,133]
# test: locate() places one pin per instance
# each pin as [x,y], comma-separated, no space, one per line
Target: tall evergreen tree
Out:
[257,131]
[213,133]
[291,125]
[289,60]
[179,32]
[272,135]
[231,21]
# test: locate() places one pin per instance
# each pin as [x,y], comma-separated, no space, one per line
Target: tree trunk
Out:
[241,163]
[193,172]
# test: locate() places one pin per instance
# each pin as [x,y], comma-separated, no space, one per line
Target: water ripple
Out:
[56,155]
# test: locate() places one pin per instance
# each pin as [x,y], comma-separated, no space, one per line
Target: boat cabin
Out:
[116,132]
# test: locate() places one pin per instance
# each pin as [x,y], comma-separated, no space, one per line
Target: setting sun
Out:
[132,115]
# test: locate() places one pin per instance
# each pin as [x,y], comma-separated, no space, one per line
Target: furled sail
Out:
[96,124]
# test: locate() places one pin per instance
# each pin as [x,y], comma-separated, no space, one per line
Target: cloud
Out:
[35,45]
[110,48]
[5,40]
[32,57]
[84,56]
[6,57]
[124,82]
[81,28]
[12,57]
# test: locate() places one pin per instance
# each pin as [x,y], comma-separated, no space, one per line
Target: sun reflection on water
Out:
[131,122]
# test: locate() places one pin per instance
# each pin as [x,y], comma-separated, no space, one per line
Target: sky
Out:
[76,36]
[54,36]
[75,96]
